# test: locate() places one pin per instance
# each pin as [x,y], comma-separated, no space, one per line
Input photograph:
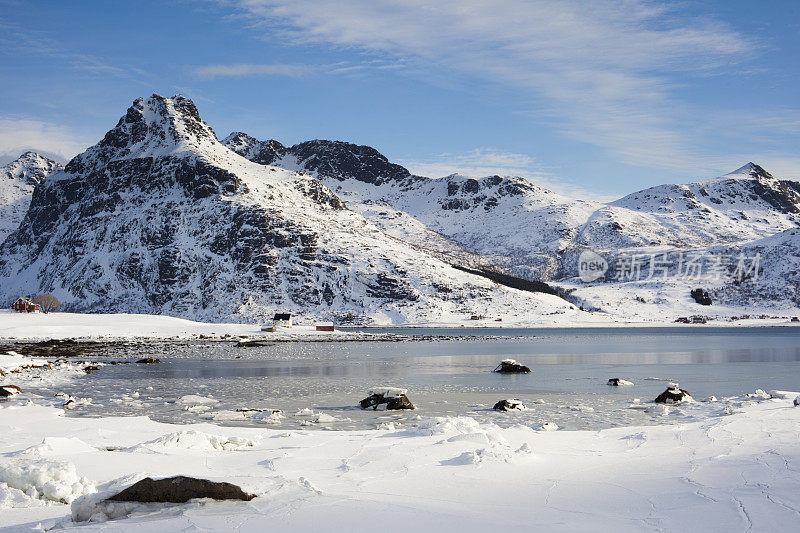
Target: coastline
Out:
[111,327]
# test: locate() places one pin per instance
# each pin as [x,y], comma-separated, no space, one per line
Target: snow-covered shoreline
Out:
[730,472]
[38,326]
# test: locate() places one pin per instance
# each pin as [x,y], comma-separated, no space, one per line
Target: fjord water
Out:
[452,376]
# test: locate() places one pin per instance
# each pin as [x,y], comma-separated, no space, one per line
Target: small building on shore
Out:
[25,305]
[324,326]
[282,320]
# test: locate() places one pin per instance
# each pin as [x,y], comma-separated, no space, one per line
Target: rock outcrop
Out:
[7,391]
[392,398]
[180,489]
[510,366]
[619,382]
[513,404]
[673,394]
[700,296]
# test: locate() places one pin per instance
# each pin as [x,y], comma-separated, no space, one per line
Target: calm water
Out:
[451,377]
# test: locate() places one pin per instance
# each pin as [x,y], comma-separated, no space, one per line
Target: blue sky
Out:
[588,97]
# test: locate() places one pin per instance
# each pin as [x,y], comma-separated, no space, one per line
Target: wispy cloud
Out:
[36,43]
[240,70]
[603,70]
[477,162]
[481,162]
[18,134]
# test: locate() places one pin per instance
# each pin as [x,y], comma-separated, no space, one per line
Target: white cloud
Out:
[20,134]
[602,69]
[488,162]
[478,162]
[240,70]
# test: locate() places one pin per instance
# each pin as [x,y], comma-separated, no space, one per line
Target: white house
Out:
[282,319]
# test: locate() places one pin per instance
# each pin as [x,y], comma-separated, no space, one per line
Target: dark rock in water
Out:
[149,360]
[394,399]
[7,391]
[700,296]
[619,382]
[513,404]
[509,366]
[673,394]
[180,489]
[90,368]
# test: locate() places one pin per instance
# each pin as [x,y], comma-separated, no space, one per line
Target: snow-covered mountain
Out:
[159,217]
[741,206]
[537,234]
[18,178]
[530,229]
[505,220]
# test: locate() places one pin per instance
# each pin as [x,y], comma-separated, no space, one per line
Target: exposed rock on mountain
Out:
[159,217]
[17,181]
[526,227]
[334,160]
[744,205]
[536,234]
[505,220]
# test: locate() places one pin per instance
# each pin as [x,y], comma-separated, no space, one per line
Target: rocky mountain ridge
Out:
[18,178]
[527,228]
[159,217]
[528,231]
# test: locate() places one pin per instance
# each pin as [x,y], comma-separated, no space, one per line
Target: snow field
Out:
[724,472]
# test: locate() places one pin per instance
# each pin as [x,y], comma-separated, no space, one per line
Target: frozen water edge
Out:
[120,326]
[724,473]
[220,382]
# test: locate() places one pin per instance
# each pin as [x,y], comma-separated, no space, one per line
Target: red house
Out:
[24,305]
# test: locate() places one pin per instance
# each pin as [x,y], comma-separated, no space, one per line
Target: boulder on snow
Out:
[512,404]
[797,401]
[7,391]
[393,398]
[149,360]
[510,366]
[619,382]
[180,489]
[700,296]
[673,394]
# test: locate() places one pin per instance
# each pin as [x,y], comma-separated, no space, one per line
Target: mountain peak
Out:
[751,170]
[239,138]
[261,152]
[337,160]
[151,127]
[18,179]
[30,168]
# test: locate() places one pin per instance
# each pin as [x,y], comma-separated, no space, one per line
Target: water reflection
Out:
[447,377]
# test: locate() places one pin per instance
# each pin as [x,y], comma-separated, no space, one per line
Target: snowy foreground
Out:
[31,326]
[24,326]
[728,473]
